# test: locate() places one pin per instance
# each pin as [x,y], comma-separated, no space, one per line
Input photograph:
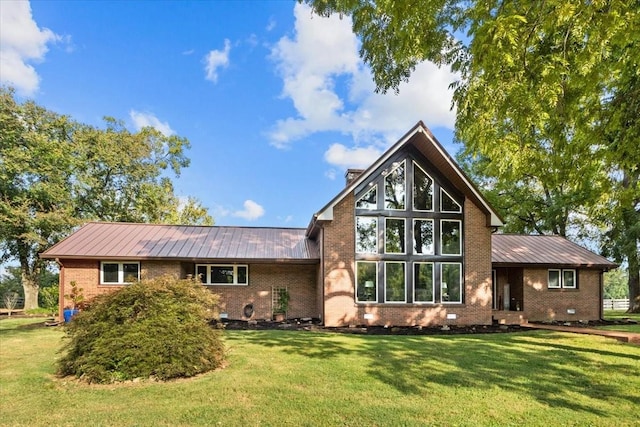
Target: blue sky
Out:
[275,101]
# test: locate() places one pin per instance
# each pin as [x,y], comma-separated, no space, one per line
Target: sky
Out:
[274,100]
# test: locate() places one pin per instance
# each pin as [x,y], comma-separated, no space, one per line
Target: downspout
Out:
[601,289]
[60,289]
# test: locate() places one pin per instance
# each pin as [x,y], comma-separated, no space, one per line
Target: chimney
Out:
[352,175]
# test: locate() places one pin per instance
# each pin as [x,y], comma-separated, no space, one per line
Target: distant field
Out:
[288,378]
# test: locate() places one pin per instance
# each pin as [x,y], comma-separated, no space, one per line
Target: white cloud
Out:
[251,211]
[22,42]
[215,60]
[332,89]
[141,120]
[358,157]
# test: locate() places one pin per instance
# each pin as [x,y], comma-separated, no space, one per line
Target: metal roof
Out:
[101,240]
[513,249]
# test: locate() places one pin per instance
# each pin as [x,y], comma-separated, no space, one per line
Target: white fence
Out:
[615,304]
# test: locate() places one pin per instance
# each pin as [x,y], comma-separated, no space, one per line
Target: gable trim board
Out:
[320,266]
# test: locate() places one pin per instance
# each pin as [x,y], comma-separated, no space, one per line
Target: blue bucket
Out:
[68,314]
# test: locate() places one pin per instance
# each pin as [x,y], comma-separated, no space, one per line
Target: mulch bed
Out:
[314,325]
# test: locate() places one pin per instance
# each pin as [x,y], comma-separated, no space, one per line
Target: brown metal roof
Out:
[100,240]
[513,249]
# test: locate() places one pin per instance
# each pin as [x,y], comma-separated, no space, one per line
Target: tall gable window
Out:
[408,235]
[119,273]
[395,188]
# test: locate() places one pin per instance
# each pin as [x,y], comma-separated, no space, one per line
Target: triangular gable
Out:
[421,138]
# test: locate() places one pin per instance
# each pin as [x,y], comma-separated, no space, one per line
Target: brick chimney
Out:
[352,175]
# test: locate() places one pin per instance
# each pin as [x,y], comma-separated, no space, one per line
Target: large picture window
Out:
[119,273]
[394,236]
[394,279]
[423,282]
[451,281]
[366,235]
[223,274]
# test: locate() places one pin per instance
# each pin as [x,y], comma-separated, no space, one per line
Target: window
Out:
[562,279]
[423,282]
[423,236]
[447,204]
[450,281]
[394,236]
[450,237]
[394,280]
[366,235]
[367,281]
[119,273]
[422,190]
[219,274]
[368,200]
[394,188]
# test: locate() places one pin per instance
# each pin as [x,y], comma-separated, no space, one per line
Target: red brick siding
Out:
[543,304]
[341,309]
[299,279]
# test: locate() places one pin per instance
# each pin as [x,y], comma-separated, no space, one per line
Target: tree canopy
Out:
[56,173]
[546,101]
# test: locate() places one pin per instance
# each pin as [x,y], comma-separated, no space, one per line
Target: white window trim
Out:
[375,218]
[404,238]
[120,272]
[235,274]
[375,283]
[442,190]
[433,284]
[413,204]
[384,187]
[442,241]
[433,243]
[561,278]
[373,188]
[459,279]
[404,281]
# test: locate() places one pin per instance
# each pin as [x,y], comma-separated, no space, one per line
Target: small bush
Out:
[155,328]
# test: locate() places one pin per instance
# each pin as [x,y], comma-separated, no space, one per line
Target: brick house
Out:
[408,241]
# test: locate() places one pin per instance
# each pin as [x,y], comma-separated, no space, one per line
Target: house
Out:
[408,241]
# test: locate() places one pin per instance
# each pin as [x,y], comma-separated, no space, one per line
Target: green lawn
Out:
[622,314]
[287,378]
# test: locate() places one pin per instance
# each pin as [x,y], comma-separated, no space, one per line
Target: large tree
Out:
[56,173]
[546,101]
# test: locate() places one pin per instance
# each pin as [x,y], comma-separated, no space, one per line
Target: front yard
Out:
[280,378]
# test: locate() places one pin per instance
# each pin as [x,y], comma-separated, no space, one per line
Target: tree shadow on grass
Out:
[541,366]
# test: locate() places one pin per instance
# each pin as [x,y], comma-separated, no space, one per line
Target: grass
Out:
[287,378]
[619,315]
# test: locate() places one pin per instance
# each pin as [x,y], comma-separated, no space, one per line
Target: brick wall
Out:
[543,304]
[341,309]
[299,279]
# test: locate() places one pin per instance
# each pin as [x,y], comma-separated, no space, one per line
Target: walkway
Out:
[629,337]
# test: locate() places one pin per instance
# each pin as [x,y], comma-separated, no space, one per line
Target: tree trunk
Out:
[31,289]
[634,284]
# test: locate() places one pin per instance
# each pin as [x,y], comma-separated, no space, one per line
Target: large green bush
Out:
[155,328]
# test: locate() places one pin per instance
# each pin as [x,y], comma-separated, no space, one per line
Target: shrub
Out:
[49,298]
[155,328]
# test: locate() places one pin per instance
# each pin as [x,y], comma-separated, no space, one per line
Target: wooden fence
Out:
[615,304]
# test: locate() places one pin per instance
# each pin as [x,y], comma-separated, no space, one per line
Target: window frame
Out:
[235,274]
[433,283]
[561,272]
[404,281]
[373,188]
[403,238]
[460,242]
[442,190]
[413,240]
[120,272]
[402,164]
[375,283]
[377,243]
[460,283]
[413,188]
